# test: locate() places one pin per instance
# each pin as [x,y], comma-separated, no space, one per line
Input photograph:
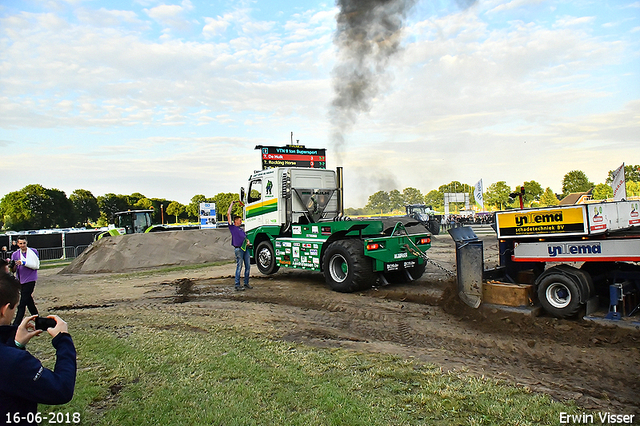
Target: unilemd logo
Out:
[574,249]
[538,218]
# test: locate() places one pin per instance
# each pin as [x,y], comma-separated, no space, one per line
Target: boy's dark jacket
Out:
[24,382]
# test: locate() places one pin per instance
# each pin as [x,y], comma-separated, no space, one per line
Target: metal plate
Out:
[470,261]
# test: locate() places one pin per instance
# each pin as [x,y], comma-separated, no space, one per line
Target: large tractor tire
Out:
[265,258]
[346,268]
[561,290]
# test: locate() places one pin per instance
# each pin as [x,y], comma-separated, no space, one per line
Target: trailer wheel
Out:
[346,268]
[559,294]
[266,259]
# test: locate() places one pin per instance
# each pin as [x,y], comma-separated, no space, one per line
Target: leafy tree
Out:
[435,199]
[15,212]
[58,210]
[396,200]
[412,196]
[379,202]
[36,207]
[633,189]
[576,181]
[602,191]
[85,206]
[497,195]
[38,203]
[143,204]
[532,192]
[175,209]
[193,208]
[223,200]
[134,198]
[548,198]
[111,203]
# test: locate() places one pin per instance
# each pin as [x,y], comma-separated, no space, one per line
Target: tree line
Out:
[37,207]
[499,196]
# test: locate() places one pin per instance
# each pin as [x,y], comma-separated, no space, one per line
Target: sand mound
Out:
[144,251]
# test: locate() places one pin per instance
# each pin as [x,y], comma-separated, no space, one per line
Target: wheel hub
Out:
[338,268]
[264,258]
[558,295]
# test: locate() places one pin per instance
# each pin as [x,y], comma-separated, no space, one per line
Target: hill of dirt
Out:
[146,251]
[143,251]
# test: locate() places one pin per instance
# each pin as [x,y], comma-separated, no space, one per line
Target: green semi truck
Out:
[294,219]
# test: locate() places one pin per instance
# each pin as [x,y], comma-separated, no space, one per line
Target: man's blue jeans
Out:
[242,256]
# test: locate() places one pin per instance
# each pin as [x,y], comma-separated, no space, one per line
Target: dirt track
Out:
[596,366]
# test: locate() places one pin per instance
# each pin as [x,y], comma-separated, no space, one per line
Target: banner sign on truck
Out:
[208,215]
[543,222]
[607,250]
[292,156]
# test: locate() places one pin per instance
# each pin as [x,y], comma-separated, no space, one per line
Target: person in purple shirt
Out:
[27,262]
[238,240]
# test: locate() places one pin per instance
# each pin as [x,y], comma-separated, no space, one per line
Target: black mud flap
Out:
[470,265]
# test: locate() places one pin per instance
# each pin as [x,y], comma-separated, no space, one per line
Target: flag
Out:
[477,194]
[619,184]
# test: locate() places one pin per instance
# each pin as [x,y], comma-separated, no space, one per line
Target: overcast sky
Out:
[170,98]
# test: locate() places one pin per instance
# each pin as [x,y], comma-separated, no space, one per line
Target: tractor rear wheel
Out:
[346,268]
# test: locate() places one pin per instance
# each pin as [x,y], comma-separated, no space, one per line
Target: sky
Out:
[170,99]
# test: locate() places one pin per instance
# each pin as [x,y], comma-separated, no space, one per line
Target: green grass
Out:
[57,263]
[174,369]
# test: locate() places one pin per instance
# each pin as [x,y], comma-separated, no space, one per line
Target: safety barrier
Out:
[58,253]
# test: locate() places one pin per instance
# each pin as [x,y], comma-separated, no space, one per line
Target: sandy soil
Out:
[596,366]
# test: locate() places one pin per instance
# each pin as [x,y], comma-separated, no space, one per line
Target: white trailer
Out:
[578,254]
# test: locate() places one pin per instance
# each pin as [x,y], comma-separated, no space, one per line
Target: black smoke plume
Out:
[368,35]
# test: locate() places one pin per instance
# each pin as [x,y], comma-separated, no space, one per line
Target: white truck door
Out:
[262,201]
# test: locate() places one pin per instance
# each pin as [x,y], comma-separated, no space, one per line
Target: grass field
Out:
[160,368]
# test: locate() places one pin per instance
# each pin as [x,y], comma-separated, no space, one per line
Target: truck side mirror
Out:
[242,195]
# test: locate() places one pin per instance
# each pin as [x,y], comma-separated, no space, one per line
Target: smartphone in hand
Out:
[43,323]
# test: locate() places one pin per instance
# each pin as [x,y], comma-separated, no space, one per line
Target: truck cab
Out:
[287,196]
